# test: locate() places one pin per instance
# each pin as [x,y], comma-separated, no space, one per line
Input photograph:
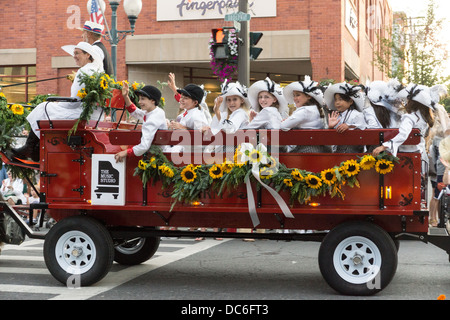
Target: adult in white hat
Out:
[383,104]
[230,109]
[308,99]
[92,34]
[87,58]
[347,103]
[269,107]
[421,102]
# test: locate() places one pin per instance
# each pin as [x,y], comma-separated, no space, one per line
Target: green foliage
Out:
[413,52]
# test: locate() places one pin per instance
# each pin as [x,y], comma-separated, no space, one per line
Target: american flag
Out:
[96,13]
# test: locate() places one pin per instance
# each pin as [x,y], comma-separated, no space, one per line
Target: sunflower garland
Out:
[190,181]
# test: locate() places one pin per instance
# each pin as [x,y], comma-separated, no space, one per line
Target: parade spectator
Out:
[12,189]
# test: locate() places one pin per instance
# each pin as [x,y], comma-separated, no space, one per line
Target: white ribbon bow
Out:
[257,156]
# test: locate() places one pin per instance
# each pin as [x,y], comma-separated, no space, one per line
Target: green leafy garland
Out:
[188,182]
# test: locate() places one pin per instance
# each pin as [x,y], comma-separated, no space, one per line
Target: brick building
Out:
[328,39]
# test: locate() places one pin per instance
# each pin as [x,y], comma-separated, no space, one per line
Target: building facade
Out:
[328,39]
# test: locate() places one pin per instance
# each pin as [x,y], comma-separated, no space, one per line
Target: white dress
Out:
[238,119]
[267,118]
[408,122]
[373,122]
[305,117]
[351,117]
[64,110]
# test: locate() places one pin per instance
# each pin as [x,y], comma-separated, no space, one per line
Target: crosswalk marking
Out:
[26,253]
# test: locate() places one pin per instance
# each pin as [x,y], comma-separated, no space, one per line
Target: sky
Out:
[418,8]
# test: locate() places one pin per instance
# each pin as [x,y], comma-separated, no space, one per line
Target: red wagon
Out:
[102,218]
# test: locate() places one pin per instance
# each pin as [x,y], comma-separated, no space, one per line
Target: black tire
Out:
[358,258]
[78,251]
[136,251]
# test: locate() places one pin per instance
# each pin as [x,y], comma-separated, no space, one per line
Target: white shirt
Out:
[305,117]
[17,187]
[373,122]
[193,119]
[153,120]
[237,120]
[267,118]
[353,117]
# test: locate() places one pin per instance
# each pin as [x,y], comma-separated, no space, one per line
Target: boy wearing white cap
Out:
[92,34]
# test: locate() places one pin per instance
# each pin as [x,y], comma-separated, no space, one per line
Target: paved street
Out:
[184,269]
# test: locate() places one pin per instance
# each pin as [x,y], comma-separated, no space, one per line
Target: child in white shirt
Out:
[268,104]
[347,103]
[154,118]
[308,99]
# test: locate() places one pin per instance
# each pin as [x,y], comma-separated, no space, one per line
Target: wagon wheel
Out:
[78,250]
[358,258]
[136,251]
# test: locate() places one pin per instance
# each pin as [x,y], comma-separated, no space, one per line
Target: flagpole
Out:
[113,52]
[104,17]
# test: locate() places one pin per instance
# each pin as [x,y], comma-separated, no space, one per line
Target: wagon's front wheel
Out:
[78,251]
[358,258]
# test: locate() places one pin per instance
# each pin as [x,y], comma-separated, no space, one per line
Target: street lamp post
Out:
[132,9]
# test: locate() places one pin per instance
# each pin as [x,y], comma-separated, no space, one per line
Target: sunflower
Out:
[288,182]
[216,171]
[17,109]
[367,162]
[188,174]
[296,175]
[153,162]
[384,166]
[351,168]
[142,165]
[167,171]
[103,83]
[255,156]
[82,93]
[328,176]
[313,181]
[227,166]
[266,173]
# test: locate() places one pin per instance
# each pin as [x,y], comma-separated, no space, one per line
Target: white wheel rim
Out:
[75,252]
[357,260]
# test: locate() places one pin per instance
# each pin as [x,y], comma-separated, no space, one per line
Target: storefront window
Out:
[19,76]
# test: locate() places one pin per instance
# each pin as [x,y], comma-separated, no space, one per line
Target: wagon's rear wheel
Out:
[136,251]
[78,250]
[358,258]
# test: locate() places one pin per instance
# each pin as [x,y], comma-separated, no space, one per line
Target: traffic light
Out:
[254,39]
[220,43]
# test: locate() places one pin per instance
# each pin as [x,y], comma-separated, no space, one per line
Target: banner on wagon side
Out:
[107,181]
